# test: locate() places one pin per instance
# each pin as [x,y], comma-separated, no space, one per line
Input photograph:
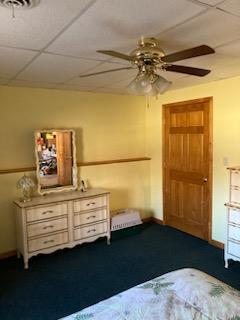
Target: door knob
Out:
[205,179]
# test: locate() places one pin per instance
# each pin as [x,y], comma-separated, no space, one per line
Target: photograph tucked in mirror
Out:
[56,160]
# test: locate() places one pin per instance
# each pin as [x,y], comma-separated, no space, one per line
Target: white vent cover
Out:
[125,218]
[19,4]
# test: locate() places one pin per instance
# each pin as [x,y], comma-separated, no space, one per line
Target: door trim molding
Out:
[209,100]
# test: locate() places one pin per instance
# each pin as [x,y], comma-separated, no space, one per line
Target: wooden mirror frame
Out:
[74,184]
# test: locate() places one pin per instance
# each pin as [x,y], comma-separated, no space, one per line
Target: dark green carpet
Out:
[64,282]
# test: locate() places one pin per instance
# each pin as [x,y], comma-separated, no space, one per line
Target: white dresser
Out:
[61,220]
[232,245]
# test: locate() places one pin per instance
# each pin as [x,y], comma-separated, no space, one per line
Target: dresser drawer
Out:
[234,232]
[47,227]
[89,231]
[234,248]
[235,178]
[92,203]
[234,216]
[90,217]
[47,241]
[235,194]
[45,212]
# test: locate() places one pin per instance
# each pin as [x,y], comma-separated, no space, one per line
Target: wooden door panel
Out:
[176,151]
[176,199]
[196,118]
[187,166]
[178,119]
[194,153]
[194,208]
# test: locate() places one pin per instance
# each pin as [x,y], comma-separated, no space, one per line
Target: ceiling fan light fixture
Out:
[162,84]
[143,85]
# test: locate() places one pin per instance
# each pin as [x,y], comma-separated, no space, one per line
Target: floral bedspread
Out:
[185,294]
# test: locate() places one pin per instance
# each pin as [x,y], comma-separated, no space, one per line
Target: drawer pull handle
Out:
[46,227]
[48,241]
[91,217]
[92,230]
[91,204]
[49,211]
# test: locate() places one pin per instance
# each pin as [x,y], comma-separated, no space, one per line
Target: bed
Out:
[184,294]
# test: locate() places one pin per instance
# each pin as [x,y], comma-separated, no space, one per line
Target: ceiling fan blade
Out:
[189,53]
[116,54]
[101,72]
[188,70]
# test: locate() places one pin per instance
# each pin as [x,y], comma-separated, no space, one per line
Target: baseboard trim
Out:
[152,219]
[158,221]
[216,244]
[147,220]
[8,254]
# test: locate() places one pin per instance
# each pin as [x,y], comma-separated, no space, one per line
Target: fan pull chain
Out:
[13,10]
[147,101]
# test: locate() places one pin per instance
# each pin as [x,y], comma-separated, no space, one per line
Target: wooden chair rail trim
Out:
[79,164]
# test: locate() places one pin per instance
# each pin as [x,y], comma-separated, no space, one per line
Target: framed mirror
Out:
[56,160]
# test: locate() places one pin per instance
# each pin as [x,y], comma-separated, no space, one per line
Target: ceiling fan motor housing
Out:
[19,4]
[148,52]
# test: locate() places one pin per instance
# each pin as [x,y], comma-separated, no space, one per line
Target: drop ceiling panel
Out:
[55,68]
[112,90]
[106,78]
[13,60]
[190,81]
[231,6]
[211,2]
[212,28]
[34,28]
[3,81]
[74,87]
[231,50]
[118,24]
[32,84]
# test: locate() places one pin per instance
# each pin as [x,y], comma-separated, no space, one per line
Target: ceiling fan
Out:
[148,58]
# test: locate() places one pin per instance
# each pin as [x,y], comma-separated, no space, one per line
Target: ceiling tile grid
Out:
[52,44]
[118,25]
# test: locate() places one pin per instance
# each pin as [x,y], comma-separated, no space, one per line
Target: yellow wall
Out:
[107,127]
[110,127]
[226,134]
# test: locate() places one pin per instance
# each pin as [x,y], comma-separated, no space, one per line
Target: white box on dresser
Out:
[61,220]
[232,243]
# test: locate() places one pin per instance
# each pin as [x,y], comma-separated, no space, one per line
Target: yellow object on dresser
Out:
[63,220]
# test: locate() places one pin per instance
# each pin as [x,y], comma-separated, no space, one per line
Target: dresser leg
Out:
[18,255]
[25,263]
[108,241]
[226,264]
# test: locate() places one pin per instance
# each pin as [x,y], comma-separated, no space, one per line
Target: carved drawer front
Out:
[89,217]
[44,212]
[234,248]
[234,232]
[47,241]
[234,216]
[89,204]
[235,194]
[235,178]
[89,231]
[47,227]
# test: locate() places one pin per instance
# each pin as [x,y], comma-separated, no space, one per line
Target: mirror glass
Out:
[56,160]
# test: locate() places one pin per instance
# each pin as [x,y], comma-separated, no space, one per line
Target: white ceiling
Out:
[50,45]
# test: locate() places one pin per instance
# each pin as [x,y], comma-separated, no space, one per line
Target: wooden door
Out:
[187,166]
[64,157]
